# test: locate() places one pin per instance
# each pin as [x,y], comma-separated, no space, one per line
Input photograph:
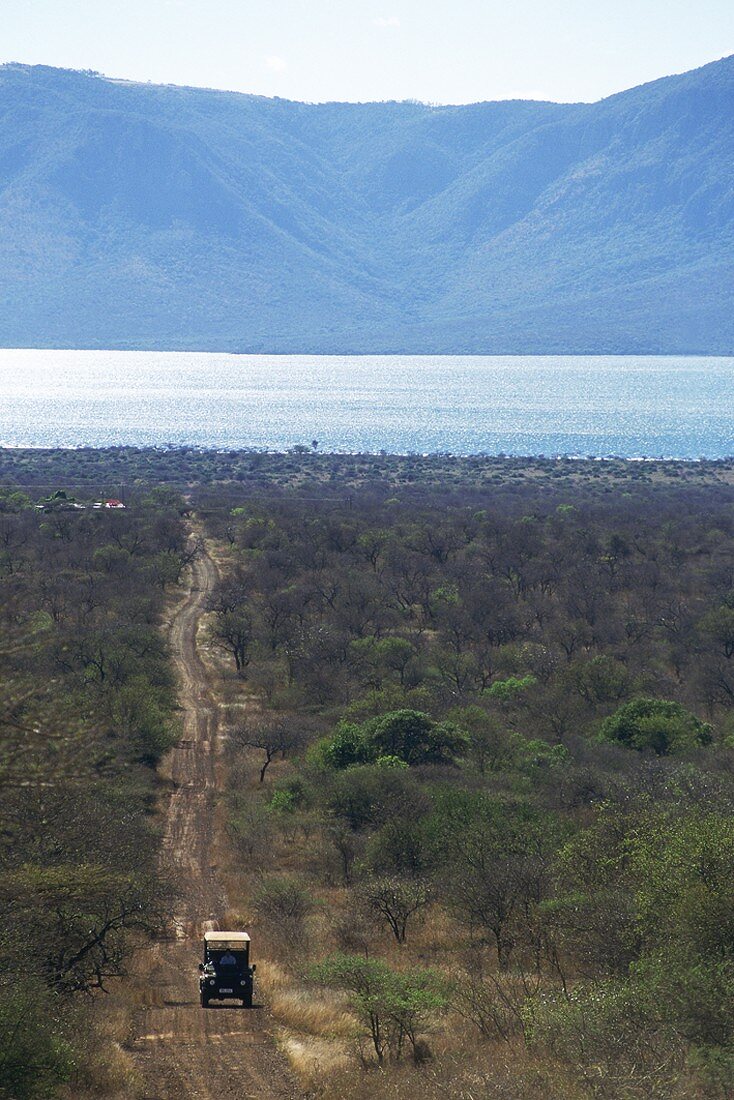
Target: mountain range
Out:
[162,217]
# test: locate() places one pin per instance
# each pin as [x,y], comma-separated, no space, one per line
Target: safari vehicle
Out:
[226,974]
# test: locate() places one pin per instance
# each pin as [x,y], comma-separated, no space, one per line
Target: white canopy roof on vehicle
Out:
[226,937]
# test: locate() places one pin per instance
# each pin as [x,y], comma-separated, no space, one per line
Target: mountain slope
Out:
[143,216]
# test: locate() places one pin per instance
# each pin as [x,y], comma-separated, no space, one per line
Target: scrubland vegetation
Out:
[86,711]
[481,790]
[303,468]
[479,748]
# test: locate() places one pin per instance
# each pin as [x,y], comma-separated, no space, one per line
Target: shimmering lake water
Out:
[520,405]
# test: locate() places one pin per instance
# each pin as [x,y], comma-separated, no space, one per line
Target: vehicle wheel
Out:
[203,1000]
[247,1000]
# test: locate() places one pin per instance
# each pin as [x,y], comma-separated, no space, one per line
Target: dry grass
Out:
[307,1012]
[316,1031]
[108,1069]
[301,1007]
[315,1061]
[472,1072]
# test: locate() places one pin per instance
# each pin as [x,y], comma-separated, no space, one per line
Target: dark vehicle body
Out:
[226,974]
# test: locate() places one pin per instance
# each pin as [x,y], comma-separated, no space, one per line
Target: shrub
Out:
[290,795]
[392,1009]
[409,736]
[505,691]
[536,755]
[390,762]
[347,746]
[283,802]
[611,1036]
[284,904]
[371,795]
[280,898]
[656,724]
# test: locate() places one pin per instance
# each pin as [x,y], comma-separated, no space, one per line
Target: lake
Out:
[631,406]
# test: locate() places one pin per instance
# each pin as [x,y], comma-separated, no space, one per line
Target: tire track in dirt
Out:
[181,1049]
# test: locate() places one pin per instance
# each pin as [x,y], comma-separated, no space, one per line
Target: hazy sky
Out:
[445,51]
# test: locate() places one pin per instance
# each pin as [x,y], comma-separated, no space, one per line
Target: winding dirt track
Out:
[183,1050]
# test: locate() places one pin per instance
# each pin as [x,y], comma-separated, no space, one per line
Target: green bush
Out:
[390,762]
[505,691]
[141,713]
[659,725]
[531,756]
[348,746]
[415,738]
[290,794]
[409,736]
[371,795]
[283,802]
[393,1009]
[610,1034]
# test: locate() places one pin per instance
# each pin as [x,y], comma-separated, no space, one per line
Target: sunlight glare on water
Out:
[521,405]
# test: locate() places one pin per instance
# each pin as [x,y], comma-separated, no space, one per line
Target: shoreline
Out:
[303,451]
[120,472]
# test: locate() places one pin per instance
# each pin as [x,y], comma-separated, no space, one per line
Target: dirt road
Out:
[183,1050]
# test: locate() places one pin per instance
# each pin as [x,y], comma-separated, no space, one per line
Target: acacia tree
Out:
[233,631]
[396,900]
[497,870]
[269,734]
[394,1009]
[415,738]
[81,917]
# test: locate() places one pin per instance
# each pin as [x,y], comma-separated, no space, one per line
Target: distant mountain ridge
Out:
[145,216]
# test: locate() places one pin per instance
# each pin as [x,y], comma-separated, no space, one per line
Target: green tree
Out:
[141,714]
[348,745]
[659,725]
[718,628]
[489,745]
[383,658]
[506,691]
[393,1009]
[407,735]
[232,630]
[416,738]
[371,795]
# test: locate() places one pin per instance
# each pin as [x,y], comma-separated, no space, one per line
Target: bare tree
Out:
[271,735]
[233,631]
[396,900]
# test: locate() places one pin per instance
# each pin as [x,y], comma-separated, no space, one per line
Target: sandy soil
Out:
[181,1049]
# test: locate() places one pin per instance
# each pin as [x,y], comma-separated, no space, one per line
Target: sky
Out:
[436,51]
